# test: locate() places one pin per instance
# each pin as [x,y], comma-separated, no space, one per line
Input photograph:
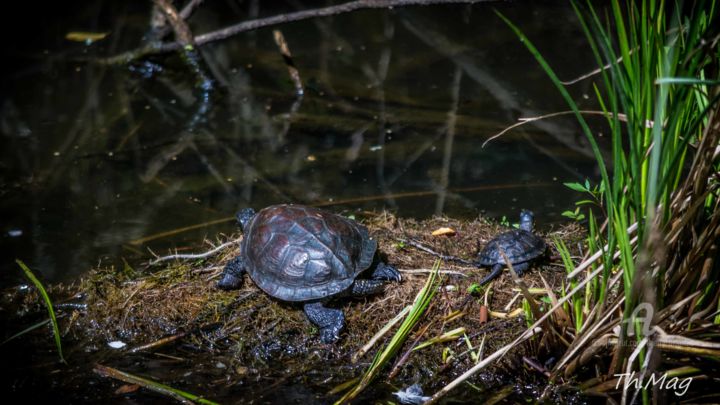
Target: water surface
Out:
[97,161]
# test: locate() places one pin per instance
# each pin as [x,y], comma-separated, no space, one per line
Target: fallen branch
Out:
[196,255]
[274,20]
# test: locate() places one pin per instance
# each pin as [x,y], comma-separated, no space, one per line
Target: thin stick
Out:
[523,121]
[425,271]
[287,57]
[178,24]
[189,8]
[157,343]
[403,359]
[426,249]
[537,366]
[379,334]
[196,255]
[171,232]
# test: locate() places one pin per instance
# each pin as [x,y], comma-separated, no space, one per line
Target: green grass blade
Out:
[568,98]
[26,330]
[48,303]
[687,80]
[151,385]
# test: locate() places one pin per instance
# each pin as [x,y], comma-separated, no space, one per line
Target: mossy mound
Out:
[240,339]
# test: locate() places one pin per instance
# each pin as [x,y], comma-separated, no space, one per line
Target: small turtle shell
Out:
[299,253]
[519,246]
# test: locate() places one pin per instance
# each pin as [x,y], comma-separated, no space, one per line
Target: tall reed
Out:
[657,87]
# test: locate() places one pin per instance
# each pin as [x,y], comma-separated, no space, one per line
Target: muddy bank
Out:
[175,327]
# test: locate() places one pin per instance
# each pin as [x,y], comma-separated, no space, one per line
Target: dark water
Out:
[396,108]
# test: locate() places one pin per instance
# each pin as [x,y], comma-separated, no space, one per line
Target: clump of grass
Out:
[422,300]
[658,91]
[48,304]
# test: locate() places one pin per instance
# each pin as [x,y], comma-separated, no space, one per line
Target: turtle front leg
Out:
[366,287]
[496,270]
[386,272]
[521,267]
[330,320]
[231,277]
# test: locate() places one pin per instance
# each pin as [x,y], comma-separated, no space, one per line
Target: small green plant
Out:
[574,215]
[48,303]
[595,197]
[474,289]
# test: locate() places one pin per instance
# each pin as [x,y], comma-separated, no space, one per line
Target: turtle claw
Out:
[386,272]
[329,335]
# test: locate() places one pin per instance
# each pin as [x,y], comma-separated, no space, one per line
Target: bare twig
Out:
[182,31]
[189,8]
[361,352]
[426,271]
[426,249]
[523,121]
[191,256]
[158,343]
[275,20]
[287,57]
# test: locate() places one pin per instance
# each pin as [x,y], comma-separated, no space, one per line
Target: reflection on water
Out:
[397,105]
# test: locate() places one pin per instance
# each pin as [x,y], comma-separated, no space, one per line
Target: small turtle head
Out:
[244,216]
[526,220]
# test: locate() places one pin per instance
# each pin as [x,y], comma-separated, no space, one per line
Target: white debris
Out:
[411,395]
[116,344]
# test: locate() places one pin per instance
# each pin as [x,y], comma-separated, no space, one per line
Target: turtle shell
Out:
[519,246]
[298,253]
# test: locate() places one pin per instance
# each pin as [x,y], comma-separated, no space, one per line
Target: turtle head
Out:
[526,220]
[244,216]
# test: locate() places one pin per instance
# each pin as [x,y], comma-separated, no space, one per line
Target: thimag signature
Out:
[678,385]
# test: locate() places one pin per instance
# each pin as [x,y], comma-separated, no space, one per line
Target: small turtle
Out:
[521,247]
[307,255]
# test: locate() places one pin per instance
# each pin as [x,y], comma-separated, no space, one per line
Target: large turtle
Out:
[307,255]
[521,246]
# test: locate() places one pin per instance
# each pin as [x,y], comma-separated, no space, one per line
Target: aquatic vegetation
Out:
[48,304]
[650,243]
